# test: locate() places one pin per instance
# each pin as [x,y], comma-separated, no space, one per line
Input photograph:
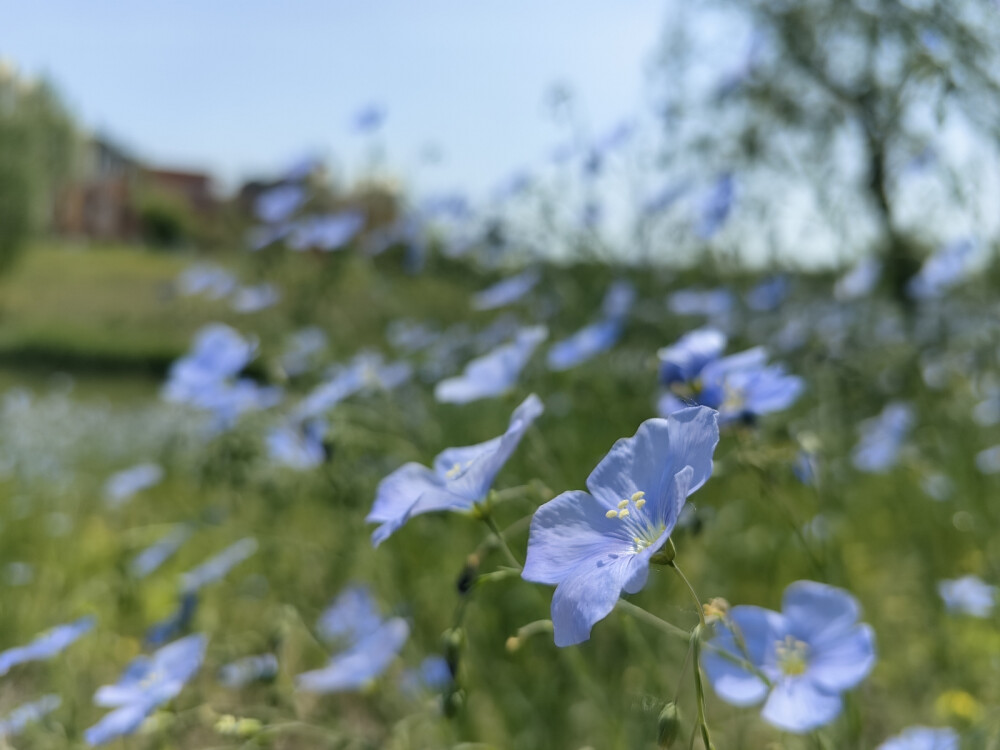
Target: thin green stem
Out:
[640,614]
[694,594]
[511,557]
[699,688]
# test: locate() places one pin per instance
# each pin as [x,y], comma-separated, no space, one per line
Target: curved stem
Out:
[694,594]
[640,614]
[511,557]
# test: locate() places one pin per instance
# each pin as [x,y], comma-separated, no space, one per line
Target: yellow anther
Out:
[639,503]
[637,496]
[623,513]
[611,514]
[622,504]
[454,471]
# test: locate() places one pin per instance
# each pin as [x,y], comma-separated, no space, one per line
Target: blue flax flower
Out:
[433,674]
[327,232]
[809,653]
[367,370]
[175,623]
[585,344]
[27,713]
[741,386]
[594,545]
[212,281]
[768,294]
[943,270]
[968,595]
[713,303]
[361,663]
[47,644]
[159,552]
[882,437]
[298,445]
[716,205]
[495,372]
[461,477]
[216,568]
[618,300]
[683,362]
[146,683]
[122,485]
[369,643]
[279,203]
[507,291]
[249,669]
[922,738]
[250,299]
[859,281]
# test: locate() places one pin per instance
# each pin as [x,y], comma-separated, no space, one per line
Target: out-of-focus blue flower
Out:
[859,281]
[14,723]
[250,299]
[352,616]
[298,445]
[433,674]
[175,623]
[361,663]
[768,294]
[217,353]
[663,198]
[409,336]
[158,553]
[493,373]
[215,568]
[512,186]
[937,486]
[122,485]
[461,477]
[302,168]
[716,206]
[712,303]
[922,738]
[810,653]
[741,387]
[212,281]
[369,118]
[988,461]
[279,203]
[804,467]
[618,300]
[506,292]
[594,545]
[882,438]
[146,683]
[603,146]
[47,644]
[683,362]
[203,378]
[249,669]
[942,270]
[366,370]
[968,595]
[328,232]
[259,238]
[586,343]
[303,347]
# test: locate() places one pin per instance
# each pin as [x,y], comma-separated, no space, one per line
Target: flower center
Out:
[792,656]
[637,521]
[457,469]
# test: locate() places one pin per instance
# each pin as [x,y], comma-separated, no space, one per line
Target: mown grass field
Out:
[111,319]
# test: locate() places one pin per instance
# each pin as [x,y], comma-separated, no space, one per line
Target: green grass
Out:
[111,312]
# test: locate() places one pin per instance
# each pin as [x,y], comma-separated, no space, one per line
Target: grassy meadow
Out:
[86,340]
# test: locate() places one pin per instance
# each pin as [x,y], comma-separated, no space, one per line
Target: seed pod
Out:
[669,725]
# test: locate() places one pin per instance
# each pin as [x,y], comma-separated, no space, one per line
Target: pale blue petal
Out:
[842,662]
[818,613]
[923,738]
[796,705]
[759,629]
[566,532]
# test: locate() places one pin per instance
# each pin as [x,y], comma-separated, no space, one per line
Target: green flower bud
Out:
[669,725]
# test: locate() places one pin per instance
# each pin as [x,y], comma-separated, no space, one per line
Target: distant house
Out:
[104,201]
[98,204]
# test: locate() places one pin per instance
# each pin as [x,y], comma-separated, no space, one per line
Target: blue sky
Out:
[244,87]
